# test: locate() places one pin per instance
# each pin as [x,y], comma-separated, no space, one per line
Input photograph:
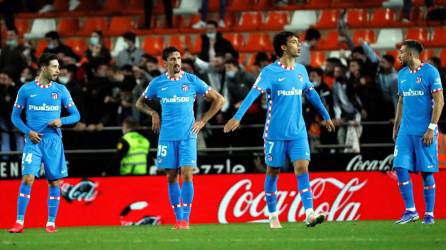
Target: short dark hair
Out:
[150,58]
[312,34]
[70,68]
[168,51]
[232,61]
[45,58]
[335,61]
[52,35]
[413,45]
[318,71]
[99,32]
[212,22]
[389,58]
[129,36]
[281,39]
[260,57]
[359,50]
[130,122]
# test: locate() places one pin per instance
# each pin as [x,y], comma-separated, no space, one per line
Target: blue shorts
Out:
[175,154]
[277,151]
[50,152]
[410,153]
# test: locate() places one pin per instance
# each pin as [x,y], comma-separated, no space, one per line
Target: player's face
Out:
[51,72]
[173,63]
[404,55]
[293,47]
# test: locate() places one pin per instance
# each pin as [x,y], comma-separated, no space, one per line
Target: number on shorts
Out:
[395,153]
[162,150]
[27,158]
[271,147]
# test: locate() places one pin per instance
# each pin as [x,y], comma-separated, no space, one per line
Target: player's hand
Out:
[329,125]
[55,123]
[395,133]
[198,125]
[428,137]
[35,137]
[155,122]
[231,125]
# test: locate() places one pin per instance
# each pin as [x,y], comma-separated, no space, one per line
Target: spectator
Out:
[7,10]
[204,15]
[67,78]
[407,9]
[436,62]
[130,55]
[213,43]
[28,74]
[150,66]
[55,46]
[261,60]
[386,80]
[330,65]
[96,53]
[312,37]
[12,59]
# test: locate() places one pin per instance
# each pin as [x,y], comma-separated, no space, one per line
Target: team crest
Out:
[54,96]
[300,77]
[270,157]
[418,80]
[185,87]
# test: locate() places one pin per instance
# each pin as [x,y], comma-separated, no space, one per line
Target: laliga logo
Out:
[85,190]
[253,207]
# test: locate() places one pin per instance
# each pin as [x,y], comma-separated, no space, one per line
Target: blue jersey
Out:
[284,88]
[43,104]
[416,88]
[177,97]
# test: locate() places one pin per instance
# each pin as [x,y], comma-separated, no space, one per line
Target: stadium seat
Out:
[92,24]
[236,39]
[153,45]
[113,5]
[383,17]
[22,25]
[239,5]
[276,20]
[317,58]
[426,54]
[187,7]
[78,45]
[41,45]
[249,21]
[367,35]
[329,42]
[301,20]
[40,27]
[194,43]
[68,26]
[318,4]
[187,21]
[60,5]
[262,5]
[328,19]
[438,37]
[120,24]
[343,4]
[178,41]
[420,34]
[443,57]
[356,17]
[213,5]
[120,43]
[388,38]
[137,5]
[257,42]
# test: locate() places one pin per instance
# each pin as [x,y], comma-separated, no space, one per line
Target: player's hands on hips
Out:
[35,137]
[198,125]
[55,124]
[155,122]
[428,137]
[231,125]
[329,125]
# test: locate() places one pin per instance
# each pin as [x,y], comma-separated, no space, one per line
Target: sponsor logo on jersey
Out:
[43,107]
[411,92]
[175,99]
[185,87]
[300,77]
[418,80]
[54,95]
[291,92]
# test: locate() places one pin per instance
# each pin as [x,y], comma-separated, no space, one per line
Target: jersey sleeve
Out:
[67,101]
[263,82]
[200,86]
[308,86]
[150,92]
[20,101]
[434,81]
[398,84]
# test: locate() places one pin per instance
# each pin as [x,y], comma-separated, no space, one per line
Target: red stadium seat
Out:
[239,5]
[120,24]
[41,46]
[258,42]
[78,45]
[331,41]
[383,17]
[92,24]
[318,4]
[249,21]
[317,58]
[356,17]
[236,39]
[22,25]
[420,34]
[276,20]
[60,5]
[177,41]
[328,19]
[114,5]
[153,45]
[136,4]
[438,37]
[193,44]
[68,26]
[443,56]
[426,54]
[213,5]
[366,35]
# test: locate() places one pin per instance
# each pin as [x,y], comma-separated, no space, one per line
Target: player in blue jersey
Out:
[415,130]
[284,83]
[42,100]
[177,142]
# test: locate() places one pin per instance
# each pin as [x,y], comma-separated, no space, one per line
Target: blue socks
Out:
[405,185]
[270,192]
[303,186]
[429,192]
[22,201]
[187,195]
[175,200]
[53,203]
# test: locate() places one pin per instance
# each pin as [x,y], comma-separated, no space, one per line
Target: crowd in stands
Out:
[359,85]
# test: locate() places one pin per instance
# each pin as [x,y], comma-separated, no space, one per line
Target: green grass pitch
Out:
[330,235]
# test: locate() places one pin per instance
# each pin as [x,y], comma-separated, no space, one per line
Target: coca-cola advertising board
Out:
[218,199]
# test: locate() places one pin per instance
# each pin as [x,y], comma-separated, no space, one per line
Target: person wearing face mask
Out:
[28,74]
[213,43]
[67,78]
[130,55]
[12,59]
[55,46]
[96,53]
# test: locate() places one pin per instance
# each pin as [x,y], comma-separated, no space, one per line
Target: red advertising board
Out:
[218,199]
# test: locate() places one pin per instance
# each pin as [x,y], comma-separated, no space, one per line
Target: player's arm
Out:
[217,102]
[142,106]
[398,115]
[315,100]
[234,123]
[19,105]
[73,113]
[428,137]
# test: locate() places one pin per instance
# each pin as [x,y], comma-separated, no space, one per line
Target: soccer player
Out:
[42,100]
[415,130]
[284,82]
[177,142]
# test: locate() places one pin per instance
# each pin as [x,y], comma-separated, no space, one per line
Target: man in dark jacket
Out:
[213,43]
[12,59]
[55,46]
